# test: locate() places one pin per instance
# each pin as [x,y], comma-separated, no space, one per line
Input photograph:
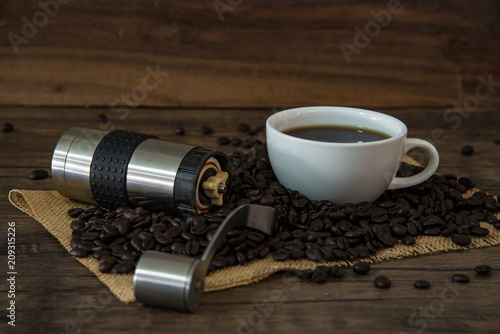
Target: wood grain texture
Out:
[263,54]
[55,294]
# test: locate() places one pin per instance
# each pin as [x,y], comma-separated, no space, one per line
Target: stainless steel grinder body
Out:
[133,169]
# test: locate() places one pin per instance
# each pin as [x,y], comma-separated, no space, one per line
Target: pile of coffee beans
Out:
[313,230]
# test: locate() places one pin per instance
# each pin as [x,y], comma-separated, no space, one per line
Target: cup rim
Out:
[284,113]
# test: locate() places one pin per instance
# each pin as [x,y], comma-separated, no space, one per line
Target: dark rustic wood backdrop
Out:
[153,65]
[262,54]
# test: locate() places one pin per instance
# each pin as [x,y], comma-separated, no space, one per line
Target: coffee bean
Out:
[77,224]
[179,131]
[7,127]
[408,240]
[483,269]
[337,271]
[422,284]
[382,282]
[222,141]
[361,268]
[460,239]
[398,230]
[305,274]
[296,254]
[466,182]
[467,150]
[319,275]
[280,255]
[243,127]
[314,255]
[235,141]
[123,267]
[106,263]
[38,174]
[206,130]
[479,231]
[266,200]
[460,278]
[78,252]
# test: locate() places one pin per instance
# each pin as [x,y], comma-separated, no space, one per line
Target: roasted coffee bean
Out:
[408,240]
[305,274]
[240,258]
[106,263]
[174,231]
[77,224]
[361,268]
[382,282]
[422,284]
[236,141]
[483,269]
[314,255]
[99,254]
[467,150]
[79,252]
[280,255]
[379,217]
[102,118]
[386,239]
[123,267]
[206,130]
[7,127]
[243,127]
[398,230]
[75,212]
[466,182]
[460,239]
[266,200]
[179,131]
[337,271]
[296,254]
[479,231]
[460,278]
[222,141]
[342,243]
[432,231]
[262,253]
[319,275]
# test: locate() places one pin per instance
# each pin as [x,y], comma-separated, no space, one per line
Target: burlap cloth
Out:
[50,209]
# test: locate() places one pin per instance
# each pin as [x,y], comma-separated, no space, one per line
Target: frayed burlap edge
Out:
[50,209]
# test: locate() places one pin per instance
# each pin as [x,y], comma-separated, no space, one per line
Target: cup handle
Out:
[403,182]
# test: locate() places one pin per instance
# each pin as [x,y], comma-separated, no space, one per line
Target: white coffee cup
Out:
[342,172]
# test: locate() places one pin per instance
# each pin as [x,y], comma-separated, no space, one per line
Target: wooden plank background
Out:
[264,54]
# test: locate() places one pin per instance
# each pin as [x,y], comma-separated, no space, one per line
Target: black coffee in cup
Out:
[336,134]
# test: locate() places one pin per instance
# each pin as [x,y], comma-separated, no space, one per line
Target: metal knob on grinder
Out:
[134,169]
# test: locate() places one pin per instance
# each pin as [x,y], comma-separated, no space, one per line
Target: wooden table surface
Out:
[55,294]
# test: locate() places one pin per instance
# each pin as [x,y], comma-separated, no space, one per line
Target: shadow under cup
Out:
[342,172]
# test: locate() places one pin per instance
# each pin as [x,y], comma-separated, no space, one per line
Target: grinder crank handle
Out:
[176,281]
